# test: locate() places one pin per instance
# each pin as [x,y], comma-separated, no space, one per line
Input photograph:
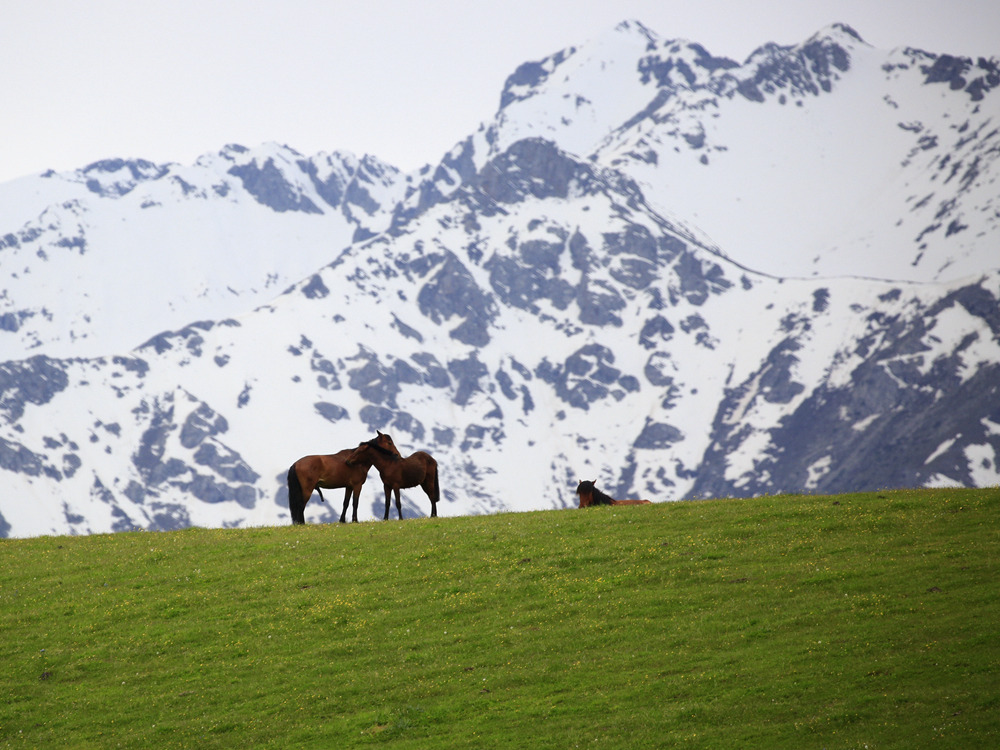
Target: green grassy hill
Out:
[855,621]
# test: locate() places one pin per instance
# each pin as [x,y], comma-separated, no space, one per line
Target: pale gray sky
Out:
[168,80]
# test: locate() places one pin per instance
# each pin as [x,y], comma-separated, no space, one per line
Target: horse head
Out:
[381,443]
[384,442]
[585,490]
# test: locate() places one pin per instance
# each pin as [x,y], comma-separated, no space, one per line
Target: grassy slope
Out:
[861,620]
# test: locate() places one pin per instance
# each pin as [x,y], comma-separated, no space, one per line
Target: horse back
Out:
[330,470]
[416,467]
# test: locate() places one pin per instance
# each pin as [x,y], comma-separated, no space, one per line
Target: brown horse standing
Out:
[328,472]
[590,495]
[418,469]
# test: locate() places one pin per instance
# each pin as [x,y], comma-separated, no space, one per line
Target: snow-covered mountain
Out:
[826,159]
[670,272]
[95,261]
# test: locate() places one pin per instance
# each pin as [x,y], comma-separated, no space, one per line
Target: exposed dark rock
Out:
[531,74]
[586,376]
[657,435]
[200,424]
[30,381]
[452,292]
[315,288]
[467,373]
[270,188]
[331,412]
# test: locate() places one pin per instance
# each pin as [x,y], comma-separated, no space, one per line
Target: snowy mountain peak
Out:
[634,27]
[837,34]
[804,69]
[116,177]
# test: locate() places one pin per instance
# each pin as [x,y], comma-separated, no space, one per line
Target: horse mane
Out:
[601,498]
[373,444]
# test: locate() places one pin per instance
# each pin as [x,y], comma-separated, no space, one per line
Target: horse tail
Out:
[433,487]
[296,502]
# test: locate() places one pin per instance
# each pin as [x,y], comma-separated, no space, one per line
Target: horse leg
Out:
[307,490]
[430,488]
[399,508]
[307,493]
[388,494]
[347,499]
[437,494]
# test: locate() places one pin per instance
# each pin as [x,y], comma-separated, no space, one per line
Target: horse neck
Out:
[364,462]
[382,457]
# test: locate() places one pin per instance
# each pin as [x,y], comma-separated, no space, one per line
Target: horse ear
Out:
[378,433]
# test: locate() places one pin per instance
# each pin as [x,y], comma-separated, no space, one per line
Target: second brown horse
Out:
[590,495]
[416,470]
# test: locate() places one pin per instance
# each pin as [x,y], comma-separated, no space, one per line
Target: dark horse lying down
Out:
[418,469]
[328,472]
[590,495]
